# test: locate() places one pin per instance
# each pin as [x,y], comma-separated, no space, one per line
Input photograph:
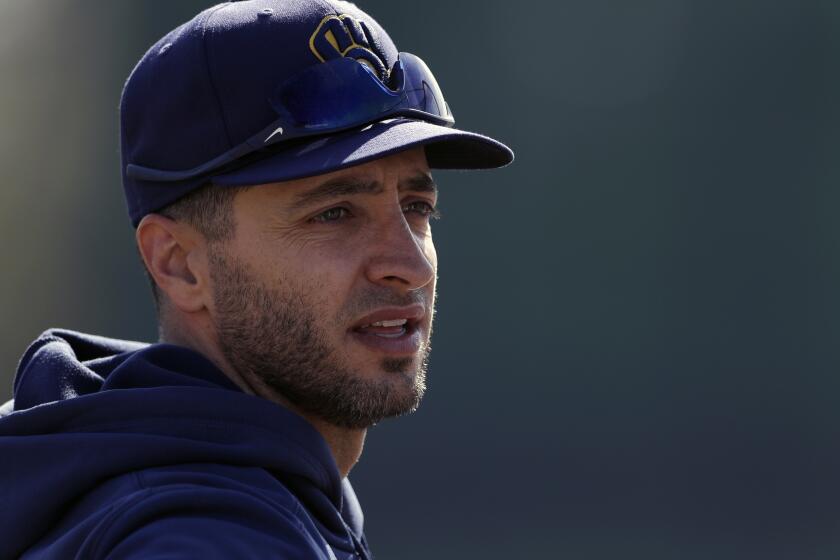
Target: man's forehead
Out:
[405,172]
[408,162]
[408,170]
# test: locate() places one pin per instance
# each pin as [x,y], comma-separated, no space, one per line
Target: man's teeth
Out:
[391,323]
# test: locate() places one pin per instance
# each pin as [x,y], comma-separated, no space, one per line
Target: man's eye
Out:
[332,215]
[422,208]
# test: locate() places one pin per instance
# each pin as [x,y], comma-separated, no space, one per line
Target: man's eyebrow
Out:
[336,187]
[422,182]
[344,186]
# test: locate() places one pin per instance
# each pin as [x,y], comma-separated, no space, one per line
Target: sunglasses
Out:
[326,98]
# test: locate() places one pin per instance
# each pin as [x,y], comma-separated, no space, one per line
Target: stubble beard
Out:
[273,335]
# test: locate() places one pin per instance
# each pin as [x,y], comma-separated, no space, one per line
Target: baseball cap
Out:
[260,91]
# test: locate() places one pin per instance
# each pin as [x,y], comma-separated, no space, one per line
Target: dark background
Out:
[636,349]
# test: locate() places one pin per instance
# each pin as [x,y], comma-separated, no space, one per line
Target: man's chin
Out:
[400,393]
[405,366]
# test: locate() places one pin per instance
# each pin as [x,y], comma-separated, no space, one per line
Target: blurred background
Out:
[636,353]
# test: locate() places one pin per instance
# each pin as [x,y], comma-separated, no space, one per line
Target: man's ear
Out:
[176,257]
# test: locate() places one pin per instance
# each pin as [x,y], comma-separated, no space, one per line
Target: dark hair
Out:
[209,209]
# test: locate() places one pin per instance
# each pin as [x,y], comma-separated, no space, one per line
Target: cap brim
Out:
[446,148]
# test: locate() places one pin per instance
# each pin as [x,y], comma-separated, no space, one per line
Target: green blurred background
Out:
[636,350]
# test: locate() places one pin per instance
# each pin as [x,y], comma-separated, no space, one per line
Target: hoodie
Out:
[121,450]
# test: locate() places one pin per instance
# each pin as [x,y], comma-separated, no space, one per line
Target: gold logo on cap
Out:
[344,35]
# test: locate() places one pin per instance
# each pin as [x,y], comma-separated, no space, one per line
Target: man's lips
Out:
[393,330]
[391,318]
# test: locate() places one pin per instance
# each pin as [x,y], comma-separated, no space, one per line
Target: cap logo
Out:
[344,35]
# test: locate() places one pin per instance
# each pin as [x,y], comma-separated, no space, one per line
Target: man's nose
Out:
[400,257]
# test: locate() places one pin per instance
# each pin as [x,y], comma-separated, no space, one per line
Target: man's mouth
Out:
[394,328]
[395,331]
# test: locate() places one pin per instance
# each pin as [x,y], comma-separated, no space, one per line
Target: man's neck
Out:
[346,444]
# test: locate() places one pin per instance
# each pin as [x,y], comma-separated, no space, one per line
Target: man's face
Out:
[326,293]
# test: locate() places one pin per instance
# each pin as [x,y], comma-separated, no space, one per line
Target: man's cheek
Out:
[430,252]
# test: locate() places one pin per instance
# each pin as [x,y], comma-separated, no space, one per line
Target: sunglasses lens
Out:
[422,90]
[333,96]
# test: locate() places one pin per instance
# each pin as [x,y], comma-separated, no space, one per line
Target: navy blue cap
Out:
[205,90]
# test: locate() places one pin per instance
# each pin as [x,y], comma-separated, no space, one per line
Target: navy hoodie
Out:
[122,450]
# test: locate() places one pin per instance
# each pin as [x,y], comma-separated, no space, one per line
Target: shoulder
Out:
[197,511]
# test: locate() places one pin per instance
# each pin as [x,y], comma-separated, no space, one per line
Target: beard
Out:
[274,335]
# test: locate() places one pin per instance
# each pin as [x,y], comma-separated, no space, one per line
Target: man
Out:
[276,158]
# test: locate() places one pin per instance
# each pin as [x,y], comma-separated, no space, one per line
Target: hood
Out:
[88,408]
